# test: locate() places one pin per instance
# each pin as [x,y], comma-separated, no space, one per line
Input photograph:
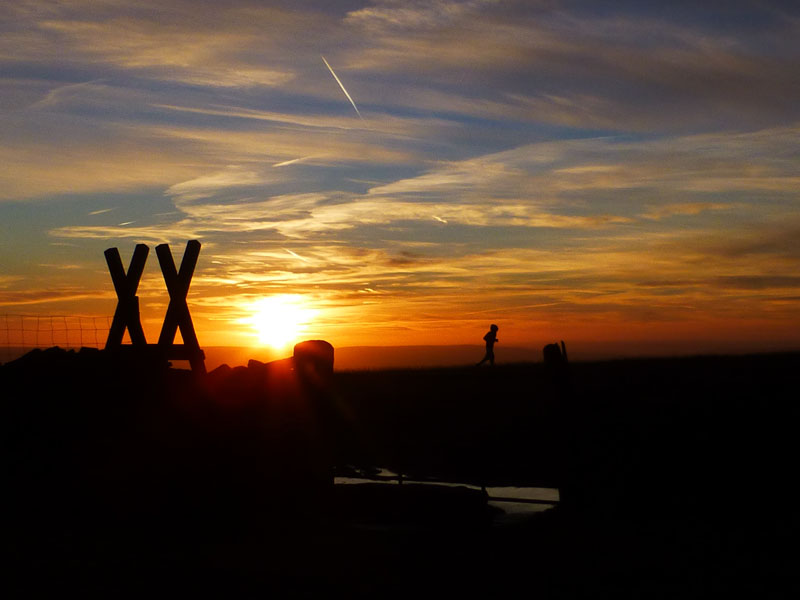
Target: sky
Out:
[623,175]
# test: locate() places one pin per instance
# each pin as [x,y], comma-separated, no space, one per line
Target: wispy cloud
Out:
[553,62]
[46,296]
[688,209]
[207,185]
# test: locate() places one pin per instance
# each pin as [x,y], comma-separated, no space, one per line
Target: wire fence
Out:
[20,333]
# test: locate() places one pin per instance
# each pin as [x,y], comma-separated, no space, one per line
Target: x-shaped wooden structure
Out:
[127,311]
[127,316]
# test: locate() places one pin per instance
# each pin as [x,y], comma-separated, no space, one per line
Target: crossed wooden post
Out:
[178,311]
[126,314]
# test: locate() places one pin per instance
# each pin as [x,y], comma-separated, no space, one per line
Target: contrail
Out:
[296,255]
[292,161]
[341,85]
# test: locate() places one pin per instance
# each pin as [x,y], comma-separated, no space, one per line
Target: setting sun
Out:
[280,321]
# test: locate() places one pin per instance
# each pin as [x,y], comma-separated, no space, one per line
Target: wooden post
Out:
[178,311]
[127,311]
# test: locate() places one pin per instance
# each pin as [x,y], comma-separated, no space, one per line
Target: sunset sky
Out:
[624,176]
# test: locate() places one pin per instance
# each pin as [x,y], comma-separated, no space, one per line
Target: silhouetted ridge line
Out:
[261,442]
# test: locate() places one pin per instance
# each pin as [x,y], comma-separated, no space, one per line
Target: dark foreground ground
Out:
[126,478]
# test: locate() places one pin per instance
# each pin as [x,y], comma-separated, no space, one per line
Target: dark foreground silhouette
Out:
[490,340]
[122,474]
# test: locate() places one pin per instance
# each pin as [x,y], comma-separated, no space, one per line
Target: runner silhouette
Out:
[491,339]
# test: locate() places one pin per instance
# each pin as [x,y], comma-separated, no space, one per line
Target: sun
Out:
[280,321]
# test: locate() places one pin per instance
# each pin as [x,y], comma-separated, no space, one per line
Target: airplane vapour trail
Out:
[341,85]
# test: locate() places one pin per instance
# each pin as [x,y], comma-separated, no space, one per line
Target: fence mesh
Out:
[20,333]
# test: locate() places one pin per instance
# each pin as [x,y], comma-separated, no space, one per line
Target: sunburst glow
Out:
[280,321]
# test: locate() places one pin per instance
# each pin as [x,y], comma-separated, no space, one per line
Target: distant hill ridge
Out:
[348,358]
[381,357]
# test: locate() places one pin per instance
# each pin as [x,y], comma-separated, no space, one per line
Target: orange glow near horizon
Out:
[279,321]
